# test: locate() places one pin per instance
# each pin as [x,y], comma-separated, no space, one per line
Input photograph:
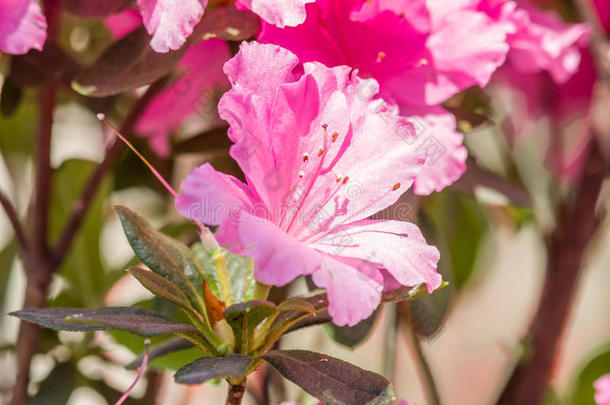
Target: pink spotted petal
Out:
[280,13]
[397,246]
[192,93]
[23,26]
[415,10]
[212,197]
[170,22]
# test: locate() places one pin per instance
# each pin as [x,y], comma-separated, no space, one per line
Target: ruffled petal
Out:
[278,12]
[23,26]
[170,22]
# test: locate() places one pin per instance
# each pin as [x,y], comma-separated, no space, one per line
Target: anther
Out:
[305,157]
[345,179]
[396,187]
[335,136]
[320,152]
[301,173]
[380,56]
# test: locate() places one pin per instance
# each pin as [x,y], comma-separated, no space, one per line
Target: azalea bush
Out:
[262,169]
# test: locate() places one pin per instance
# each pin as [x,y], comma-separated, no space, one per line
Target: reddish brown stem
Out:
[235,394]
[577,225]
[13,217]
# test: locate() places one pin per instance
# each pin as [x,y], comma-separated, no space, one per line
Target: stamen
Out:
[325,126]
[338,179]
[320,152]
[335,136]
[345,179]
[305,157]
[380,56]
[396,187]
[423,62]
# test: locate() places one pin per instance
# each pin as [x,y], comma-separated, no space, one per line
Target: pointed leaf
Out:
[244,319]
[161,287]
[130,319]
[331,380]
[209,368]
[167,347]
[227,23]
[126,65]
[165,256]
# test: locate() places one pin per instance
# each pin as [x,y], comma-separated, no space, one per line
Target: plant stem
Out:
[426,374]
[235,394]
[577,225]
[13,217]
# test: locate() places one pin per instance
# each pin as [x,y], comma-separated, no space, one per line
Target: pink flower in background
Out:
[602,390]
[23,26]
[193,92]
[420,54]
[305,137]
[124,22]
[278,12]
[542,41]
[170,22]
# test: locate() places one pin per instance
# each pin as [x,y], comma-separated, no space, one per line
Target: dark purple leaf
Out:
[227,23]
[352,336]
[37,68]
[331,380]
[170,346]
[161,287]
[130,319]
[94,8]
[210,368]
[127,64]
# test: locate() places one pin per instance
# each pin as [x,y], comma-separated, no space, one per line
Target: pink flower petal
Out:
[278,12]
[379,242]
[544,42]
[170,22]
[212,197]
[124,22]
[352,296]
[439,141]
[190,94]
[602,390]
[23,26]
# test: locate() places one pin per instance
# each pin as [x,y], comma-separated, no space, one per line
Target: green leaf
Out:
[352,336]
[240,283]
[210,368]
[331,380]
[165,256]
[244,319]
[97,8]
[582,391]
[126,65]
[461,224]
[136,320]
[160,350]
[227,23]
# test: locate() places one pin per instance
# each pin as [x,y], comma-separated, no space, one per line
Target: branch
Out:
[81,207]
[13,217]
[235,394]
[577,225]
[476,175]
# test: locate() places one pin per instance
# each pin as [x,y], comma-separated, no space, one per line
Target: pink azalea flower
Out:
[23,26]
[305,137]
[124,22]
[419,54]
[170,22]
[542,41]
[278,12]
[602,390]
[200,79]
